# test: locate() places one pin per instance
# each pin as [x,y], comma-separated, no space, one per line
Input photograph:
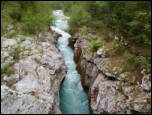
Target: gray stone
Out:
[101,52]
[116,38]
[20,103]
[20,38]
[107,98]
[34,87]
[117,70]
[146,82]
[9,42]
[12,79]
[106,95]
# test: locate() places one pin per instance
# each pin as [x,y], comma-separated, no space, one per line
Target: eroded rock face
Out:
[108,98]
[111,90]
[39,70]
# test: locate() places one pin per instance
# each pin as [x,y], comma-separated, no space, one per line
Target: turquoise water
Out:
[73,99]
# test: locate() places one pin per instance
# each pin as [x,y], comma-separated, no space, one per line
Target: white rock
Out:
[146,82]
[33,85]
[9,42]
[12,79]
[101,52]
[116,38]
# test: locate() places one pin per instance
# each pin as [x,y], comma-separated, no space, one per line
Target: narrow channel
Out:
[73,99]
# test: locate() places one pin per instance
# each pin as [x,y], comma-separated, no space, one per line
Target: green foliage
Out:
[33,17]
[12,10]
[16,51]
[99,25]
[128,19]
[35,23]
[11,34]
[79,16]
[143,62]
[129,56]
[95,45]
[7,68]
[83,30]
[57,4]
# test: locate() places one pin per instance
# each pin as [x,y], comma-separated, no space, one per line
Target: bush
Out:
[129,56]
[16,51]
[79,16]
[14,11]
[11,34]
[35,23]
[7,68]
[144,62]
[95,45]
[99,25]
[83,30]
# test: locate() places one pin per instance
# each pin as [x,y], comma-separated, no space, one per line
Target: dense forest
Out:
[28,17]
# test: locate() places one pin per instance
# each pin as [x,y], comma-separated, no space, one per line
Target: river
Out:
[73,99]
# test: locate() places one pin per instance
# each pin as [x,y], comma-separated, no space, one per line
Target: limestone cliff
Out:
[110,89]
[38,69]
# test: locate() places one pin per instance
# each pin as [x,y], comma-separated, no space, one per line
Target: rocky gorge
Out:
[33,72]
[37,69]
[110,89]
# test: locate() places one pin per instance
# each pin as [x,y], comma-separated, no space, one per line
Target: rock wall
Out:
[110,89]
[38,71]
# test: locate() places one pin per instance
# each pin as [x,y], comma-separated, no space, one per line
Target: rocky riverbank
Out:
[31,74]
[110,88]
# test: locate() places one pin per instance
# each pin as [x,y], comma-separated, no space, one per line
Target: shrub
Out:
[95,45]
[11,34]
[7,68]
[16,51]
[35,23]
[129,56]
[79,16]
[13,11]
[84,30]
[32,17]
[144,62]
[115,48]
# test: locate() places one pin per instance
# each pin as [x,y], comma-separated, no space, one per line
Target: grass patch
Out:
[137,60]
[17,50]
[129,57]
[12,34]
[7,68]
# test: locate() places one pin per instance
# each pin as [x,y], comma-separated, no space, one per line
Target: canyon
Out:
[110,90]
